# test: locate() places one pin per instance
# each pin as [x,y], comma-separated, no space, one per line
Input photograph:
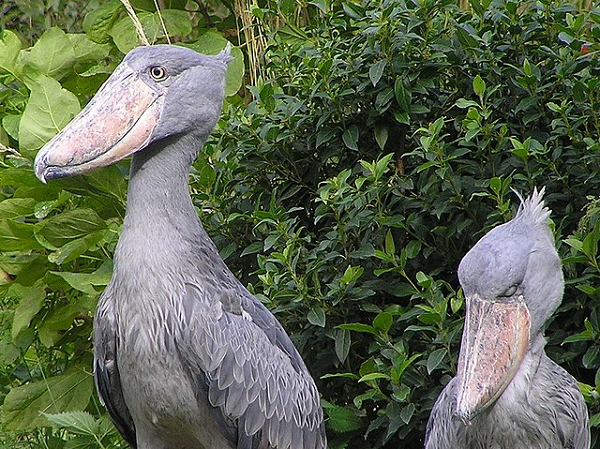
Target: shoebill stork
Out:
[185,356]
[507,393]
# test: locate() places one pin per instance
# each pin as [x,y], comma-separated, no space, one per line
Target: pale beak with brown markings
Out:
[106,131]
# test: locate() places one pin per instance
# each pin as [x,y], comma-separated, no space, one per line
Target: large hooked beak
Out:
[494,342]
[116,123]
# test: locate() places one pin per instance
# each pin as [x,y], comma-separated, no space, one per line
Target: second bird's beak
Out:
[494,342]
[116,123]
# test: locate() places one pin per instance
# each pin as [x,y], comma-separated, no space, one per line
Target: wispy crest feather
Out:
[533,208]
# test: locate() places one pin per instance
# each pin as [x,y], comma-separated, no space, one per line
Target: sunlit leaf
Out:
[24,405]
[49,109]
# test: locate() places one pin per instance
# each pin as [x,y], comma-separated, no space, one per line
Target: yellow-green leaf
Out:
[24,405]
[49,109]
[52,54]
[10,45]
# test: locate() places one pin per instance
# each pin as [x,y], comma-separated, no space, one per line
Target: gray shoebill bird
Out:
[507,393]
[185,356]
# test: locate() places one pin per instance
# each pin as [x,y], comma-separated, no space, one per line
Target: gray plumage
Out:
[185,356]
[539,405]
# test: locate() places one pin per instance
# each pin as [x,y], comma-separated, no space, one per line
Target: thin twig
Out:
[162,22]
[5,149]
[136,22]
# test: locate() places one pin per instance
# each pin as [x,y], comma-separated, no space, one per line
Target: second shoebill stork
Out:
[184,356]
[508,394]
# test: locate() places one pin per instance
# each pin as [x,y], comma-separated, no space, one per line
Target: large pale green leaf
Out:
[52,55]
[23,406]
[343,419]
[31,300]
[61,229]
[49,109]
[98,23]
[176,22]
[16,207]
[17,236]
[10,45]
[84,282]
[87,50]
[211,43]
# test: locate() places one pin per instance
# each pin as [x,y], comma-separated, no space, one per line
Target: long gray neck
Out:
[161,227]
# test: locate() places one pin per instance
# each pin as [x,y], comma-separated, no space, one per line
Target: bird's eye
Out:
[158,73]
[510,291]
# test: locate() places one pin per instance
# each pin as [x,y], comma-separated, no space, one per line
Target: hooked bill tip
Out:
[40,167]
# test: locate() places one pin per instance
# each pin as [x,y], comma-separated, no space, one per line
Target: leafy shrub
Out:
[343,188]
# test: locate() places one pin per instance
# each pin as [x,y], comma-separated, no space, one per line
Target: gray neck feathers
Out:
[162,231]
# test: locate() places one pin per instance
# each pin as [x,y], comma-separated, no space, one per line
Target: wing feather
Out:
[106,370]
[255,375]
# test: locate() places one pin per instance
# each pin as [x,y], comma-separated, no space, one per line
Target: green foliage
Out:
[343,188]
[56,241]
[383,145]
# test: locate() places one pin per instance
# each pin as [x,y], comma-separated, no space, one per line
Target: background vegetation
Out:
[371,145]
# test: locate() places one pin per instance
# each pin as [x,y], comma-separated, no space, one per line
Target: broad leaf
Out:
[10,45]
[49,109]
[62,229]
[52,54]
[24,405]
[98,23]
[31,300]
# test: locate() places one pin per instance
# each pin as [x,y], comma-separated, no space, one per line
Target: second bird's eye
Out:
[510,291]
[158,73]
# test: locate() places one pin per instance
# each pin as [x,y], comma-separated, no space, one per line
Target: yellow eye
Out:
[158,73]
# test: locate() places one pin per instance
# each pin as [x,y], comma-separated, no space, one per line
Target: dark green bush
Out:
[344,188]
[383,145]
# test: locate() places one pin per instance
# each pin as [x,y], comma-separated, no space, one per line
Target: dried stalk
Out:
[136,22]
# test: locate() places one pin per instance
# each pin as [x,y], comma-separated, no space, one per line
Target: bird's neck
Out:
[161,224]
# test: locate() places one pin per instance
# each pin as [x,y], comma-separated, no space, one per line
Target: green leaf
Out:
[49,109]
[381,135]
[407,413]
[383,322]
[31,300]
[85,282]
[390,247]
[358,327]
[124,34]
[376,71]
[79,422]
[373,376]
[24,405]
[16,208]
[464,103]
[52,55]
[17,236]
[342,344]
[434,359]
[75,248]
[343,419]
[98,23]
[352,274]
[62,229]
[479,86]
[316,316]
[87,50]
[350,137]
[10,46]
[403,96]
